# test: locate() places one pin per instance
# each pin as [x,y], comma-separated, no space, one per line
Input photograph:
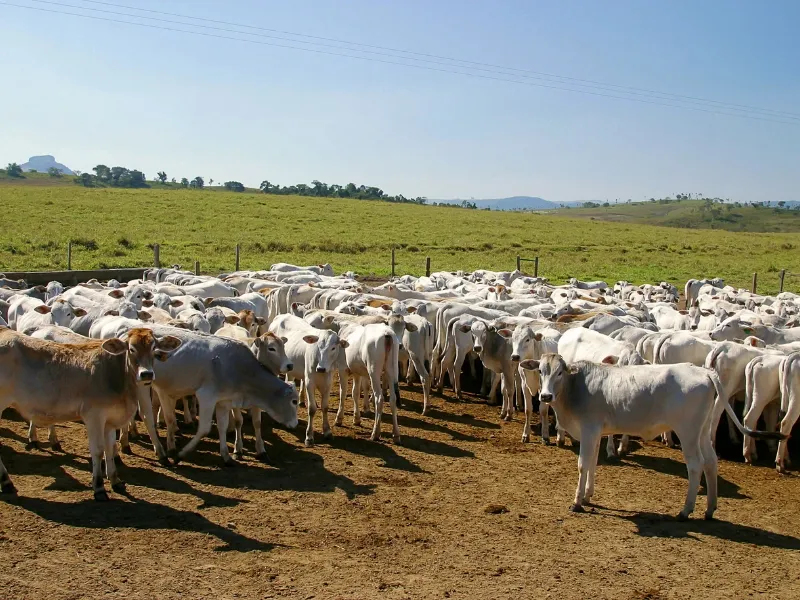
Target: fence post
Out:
[755,281]
[427,266]
[69,259]
[157,256]
[536,267]
[519,262]
[197,267]
[237,257]
[783,274]
[393,263]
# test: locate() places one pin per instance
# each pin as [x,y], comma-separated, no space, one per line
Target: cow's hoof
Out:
[33,446]
[559,442]
[682,516]
[133,435]
[526,438]
[8,488]
[164,461]
[237,456]
[118,487]
[309,443]
[264,457]
[709,516]
[577,508]
[101,496]
[397,440]
[375,438]
[127,450]
[546,441]
[780,469]
[118,461]
[327,435]
[356,422]
[57,447]
[229,463]
[338,422]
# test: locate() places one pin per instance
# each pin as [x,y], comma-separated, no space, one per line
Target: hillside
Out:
[512,203]
[694,214]
[43,163]
[116,228]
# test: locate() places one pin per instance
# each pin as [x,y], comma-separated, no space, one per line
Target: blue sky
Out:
[92,91]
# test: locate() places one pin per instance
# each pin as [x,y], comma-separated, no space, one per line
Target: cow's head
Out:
[141,347]
[270,352]
[325,350]
[523,342]
[61,312]
[554,375]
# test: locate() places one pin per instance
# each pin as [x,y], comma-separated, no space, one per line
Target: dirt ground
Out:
[358,519]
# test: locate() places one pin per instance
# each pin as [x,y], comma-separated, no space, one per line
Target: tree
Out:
[210,182]
[85,179]
[234,186]
[162,176]
[197,183]
[54,172]
[265,186]
[782,203]
[173,180]
[103,173]
[14,170]
[184,182]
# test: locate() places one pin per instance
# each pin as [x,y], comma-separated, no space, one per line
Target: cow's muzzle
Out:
[515,357]
[146,376]
[477,348]
[545,397]
[321,369]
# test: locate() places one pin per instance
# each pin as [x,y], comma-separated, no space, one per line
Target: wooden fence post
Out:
[393,263]
[755,281]
[69,258]
[237,257]
[783,274]
[197,267]
[519,262]
[536,267]
[157,256]
[427,266]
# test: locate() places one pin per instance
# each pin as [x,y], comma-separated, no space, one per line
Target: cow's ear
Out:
[284,339]
[464,328]
[114,346]
[116,294]
[491,289]
[144,315]
[176,303]
[344,343]
[506,333]
[147,303]
[310,339]
[696,303]
[411,327]
[111,313]
[748,330]
[387,307]
[42,309]
[610,360]
[232,319]
[706,313]
[328,319]
[411,309]
[530,365]
[538,337]
[168,343]
[79,312]
[684,312]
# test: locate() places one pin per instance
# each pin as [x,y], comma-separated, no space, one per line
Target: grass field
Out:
[689,214]
[114,228]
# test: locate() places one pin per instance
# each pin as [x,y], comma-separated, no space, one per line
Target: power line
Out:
[709,110]
[667,95]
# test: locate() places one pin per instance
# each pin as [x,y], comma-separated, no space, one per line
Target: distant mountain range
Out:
[43,163]
[514,203]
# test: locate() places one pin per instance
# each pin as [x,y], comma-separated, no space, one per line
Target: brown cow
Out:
[100,383]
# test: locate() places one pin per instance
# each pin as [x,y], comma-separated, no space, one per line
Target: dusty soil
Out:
[461,510]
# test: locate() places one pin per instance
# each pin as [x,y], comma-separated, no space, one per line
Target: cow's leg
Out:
[544,417]
[624,442]
[416,365]
[377,394]
[788,421]
[342,396]
[238,444]
[311,403]
[125,439]
[710,469]
[52,437]
[473,370]
[455,372]
[519,398]
[690,446]
[507,383]
[611,450]
[97,442]
[367,403]
[589,492]
[487,385]
[33,438]
[111,468]
[303,393]
[733,433]
[590,440]
[133,429]
[146,411]
[6,487]
[404,362]
[325,393]
[206,406]
[750,421]
[261,450]
[356,401]
[393,406]
[188,417]
[771,422]
[528,397]
[223,416]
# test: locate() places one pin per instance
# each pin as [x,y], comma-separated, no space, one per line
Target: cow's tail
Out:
[657,349]
[785,378]
[749,382]
[711,359]
[687,292]
[759,435]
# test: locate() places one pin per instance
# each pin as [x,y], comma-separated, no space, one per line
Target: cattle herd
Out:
[608,360]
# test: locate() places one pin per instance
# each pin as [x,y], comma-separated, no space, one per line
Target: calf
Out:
[592,400]
[100,383]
